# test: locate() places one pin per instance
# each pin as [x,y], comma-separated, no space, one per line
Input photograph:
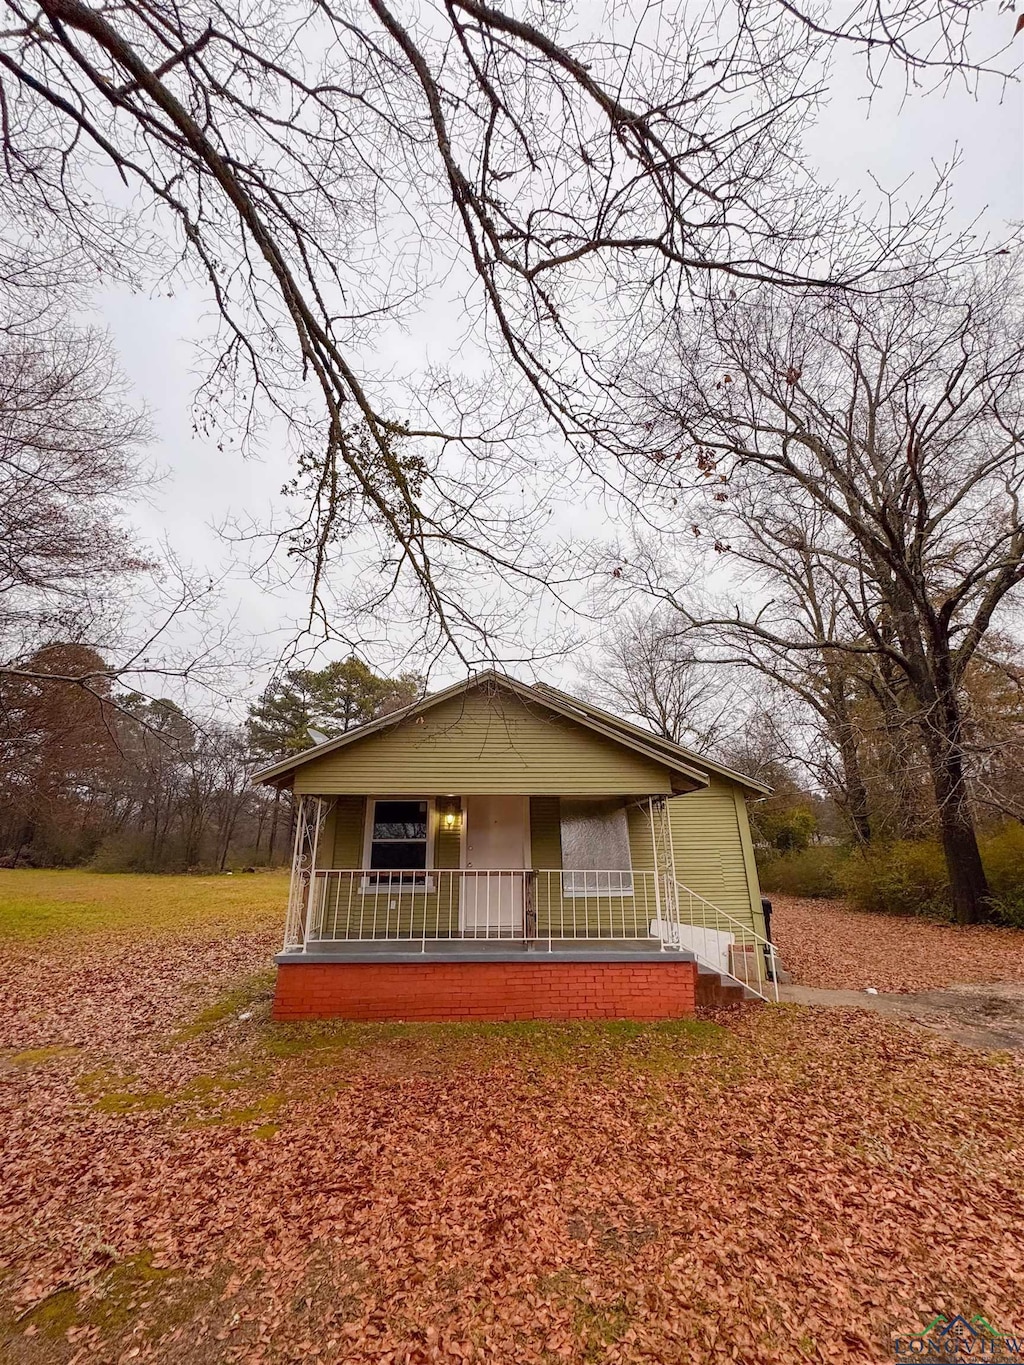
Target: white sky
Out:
[896,141]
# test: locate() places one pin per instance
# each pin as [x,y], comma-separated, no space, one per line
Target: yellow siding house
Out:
[495,829]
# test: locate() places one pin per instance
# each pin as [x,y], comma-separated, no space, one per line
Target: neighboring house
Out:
[499,851]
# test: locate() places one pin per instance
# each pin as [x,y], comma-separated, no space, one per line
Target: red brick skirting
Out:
[661,989]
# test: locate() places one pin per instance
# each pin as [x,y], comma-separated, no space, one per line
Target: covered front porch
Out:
[505,868]
[470,878]
[501,850]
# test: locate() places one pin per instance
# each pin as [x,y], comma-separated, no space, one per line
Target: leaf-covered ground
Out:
[824,943]
[182,1181]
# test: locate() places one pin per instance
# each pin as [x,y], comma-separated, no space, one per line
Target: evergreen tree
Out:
[333,699]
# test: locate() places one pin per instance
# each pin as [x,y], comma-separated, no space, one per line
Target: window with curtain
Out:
[595,848]
[398,836]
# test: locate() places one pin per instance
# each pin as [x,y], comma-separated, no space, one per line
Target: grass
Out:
[41,903]
[237,1094]
[38,1056]
[543,1048]
[122,1290]
[259,987]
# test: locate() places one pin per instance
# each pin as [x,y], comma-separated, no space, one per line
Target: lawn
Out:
[184,1181]
[41,902]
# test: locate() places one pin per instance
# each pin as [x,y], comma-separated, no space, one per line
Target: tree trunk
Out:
[844,736]
[967,880]
[228,833]
[911,814]
[153,843]
[966,873]
[856,791]
[28,833]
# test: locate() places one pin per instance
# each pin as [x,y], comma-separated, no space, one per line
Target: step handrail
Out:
[765,982]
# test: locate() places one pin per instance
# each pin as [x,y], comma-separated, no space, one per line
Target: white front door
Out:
[495,844]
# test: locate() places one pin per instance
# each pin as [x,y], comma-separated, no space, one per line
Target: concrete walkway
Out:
[988,1017]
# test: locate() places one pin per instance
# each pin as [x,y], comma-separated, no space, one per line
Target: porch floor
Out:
[486,950]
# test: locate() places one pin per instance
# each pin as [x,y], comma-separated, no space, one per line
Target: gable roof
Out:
[667,745]
[669,755]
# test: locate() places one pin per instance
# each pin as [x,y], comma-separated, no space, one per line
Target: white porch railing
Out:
[543,906]
[721,941]
[456,903]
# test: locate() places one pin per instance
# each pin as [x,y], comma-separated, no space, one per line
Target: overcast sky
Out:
[896,141]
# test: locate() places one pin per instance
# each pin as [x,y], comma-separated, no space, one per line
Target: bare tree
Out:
[322,167]
[132,780]
[647,669]
[882,441]
[72,460]
[70,448]
[994,722]
[57,756]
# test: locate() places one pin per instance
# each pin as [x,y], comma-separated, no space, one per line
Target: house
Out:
[505,851]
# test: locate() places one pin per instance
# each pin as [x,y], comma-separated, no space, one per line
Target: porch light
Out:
[450,810]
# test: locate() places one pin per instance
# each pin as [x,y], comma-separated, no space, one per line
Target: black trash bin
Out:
[769,956]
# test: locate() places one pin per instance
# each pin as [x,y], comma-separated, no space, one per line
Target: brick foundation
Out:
[661,989]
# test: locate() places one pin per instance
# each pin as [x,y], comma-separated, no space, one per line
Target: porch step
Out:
[715,989]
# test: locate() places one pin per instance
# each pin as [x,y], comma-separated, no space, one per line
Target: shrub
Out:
[813,871]
[1003,856]
[53,845]
[788,830]
[905,878]
[121,853]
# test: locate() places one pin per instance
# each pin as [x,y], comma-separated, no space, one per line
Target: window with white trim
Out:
[398,838]
[595,848]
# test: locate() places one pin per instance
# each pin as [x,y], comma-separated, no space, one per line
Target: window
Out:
[595,848]
[398,839]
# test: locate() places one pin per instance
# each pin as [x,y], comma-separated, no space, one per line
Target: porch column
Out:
[657,874]
[294,936]
[310,814]
[317,823]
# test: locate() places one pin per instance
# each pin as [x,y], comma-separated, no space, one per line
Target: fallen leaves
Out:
[793,1186]
[824,943]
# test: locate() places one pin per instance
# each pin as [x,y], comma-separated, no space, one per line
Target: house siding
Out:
[349,817]
[614,916]
[545,832]
[714,855]
[347,910]
[484,743]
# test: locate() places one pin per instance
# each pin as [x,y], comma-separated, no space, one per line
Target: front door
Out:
[491,903]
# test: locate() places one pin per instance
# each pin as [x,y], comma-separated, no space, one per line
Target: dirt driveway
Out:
[966,984]
[989,1017]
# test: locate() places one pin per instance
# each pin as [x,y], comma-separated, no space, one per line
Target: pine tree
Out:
[334,699]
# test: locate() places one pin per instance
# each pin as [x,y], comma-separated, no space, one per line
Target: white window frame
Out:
[367,883]
[574,892]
